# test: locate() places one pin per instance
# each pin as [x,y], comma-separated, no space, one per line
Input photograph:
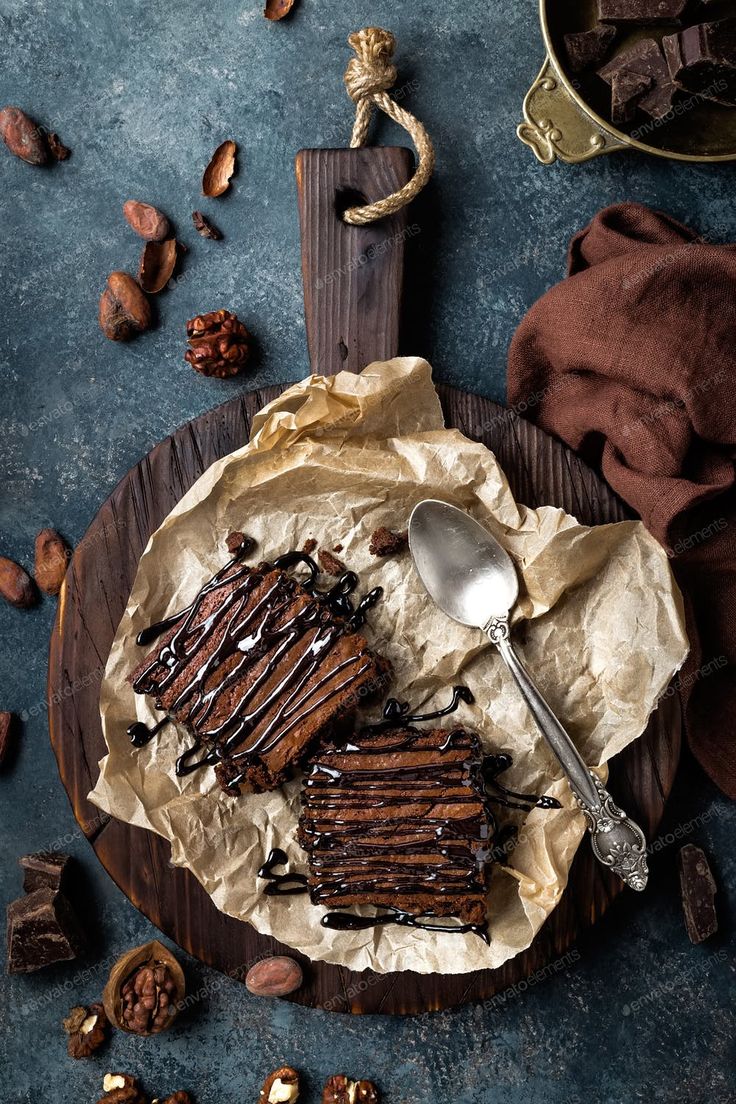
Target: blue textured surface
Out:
[143,92]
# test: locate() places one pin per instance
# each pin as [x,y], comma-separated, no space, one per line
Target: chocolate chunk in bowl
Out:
[702,59]
[568,111]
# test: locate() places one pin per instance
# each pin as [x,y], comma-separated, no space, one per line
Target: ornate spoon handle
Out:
[616,840]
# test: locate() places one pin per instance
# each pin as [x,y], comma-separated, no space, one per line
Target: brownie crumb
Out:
[309,546]
[239,542]
[385,542]
[337,548]
[330,563]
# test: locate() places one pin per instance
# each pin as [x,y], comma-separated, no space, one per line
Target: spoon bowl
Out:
[464,569]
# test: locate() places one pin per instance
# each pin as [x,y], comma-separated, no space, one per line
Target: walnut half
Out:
[121,1088]
[341,1090]
[87,1030]
[280,1087]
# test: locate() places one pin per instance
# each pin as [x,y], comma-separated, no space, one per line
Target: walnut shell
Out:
[148,956]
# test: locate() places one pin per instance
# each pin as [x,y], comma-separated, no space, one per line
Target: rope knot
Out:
[371,70]
[368,77]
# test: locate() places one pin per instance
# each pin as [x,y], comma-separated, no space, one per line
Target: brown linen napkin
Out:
[632,362]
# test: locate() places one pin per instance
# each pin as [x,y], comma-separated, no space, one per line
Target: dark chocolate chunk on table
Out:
[41,930]
[44,870]
[698,889]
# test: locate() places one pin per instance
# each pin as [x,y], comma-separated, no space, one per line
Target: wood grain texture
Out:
[93,598]
[352,274]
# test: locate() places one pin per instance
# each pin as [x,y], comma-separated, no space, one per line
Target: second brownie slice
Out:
[399,819]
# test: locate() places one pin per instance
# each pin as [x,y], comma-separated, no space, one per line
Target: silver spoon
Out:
[473,580]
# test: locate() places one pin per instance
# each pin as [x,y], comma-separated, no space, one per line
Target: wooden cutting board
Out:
[353,311]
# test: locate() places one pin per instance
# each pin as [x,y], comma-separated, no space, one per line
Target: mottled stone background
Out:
[143,92]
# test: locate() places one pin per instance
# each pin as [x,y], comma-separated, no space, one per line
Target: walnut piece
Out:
[87,1030]
[341,1090]
[121,1088]
[280,1087]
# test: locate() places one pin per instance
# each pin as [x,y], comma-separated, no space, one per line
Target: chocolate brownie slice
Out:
[399,819]
[259,667]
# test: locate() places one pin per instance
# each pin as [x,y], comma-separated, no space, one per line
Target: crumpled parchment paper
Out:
[334,458]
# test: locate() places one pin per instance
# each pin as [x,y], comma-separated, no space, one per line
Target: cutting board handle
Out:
[353,275]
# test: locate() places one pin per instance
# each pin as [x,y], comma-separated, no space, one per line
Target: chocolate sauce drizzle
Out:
[252,727]
[281,885]
[493,765]
[141,734]
[347,921]
[396,713]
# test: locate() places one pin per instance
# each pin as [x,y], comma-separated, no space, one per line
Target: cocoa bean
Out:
[52,558]
[274,977]
[6,735]
[147,221]
[124,309]
[58,150]
[16,585]
[23,136]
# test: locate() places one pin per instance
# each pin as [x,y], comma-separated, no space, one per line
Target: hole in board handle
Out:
[347,197]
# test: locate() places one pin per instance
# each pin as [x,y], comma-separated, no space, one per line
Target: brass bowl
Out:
[563,114]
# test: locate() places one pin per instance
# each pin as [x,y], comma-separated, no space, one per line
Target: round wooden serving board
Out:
[93,598]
